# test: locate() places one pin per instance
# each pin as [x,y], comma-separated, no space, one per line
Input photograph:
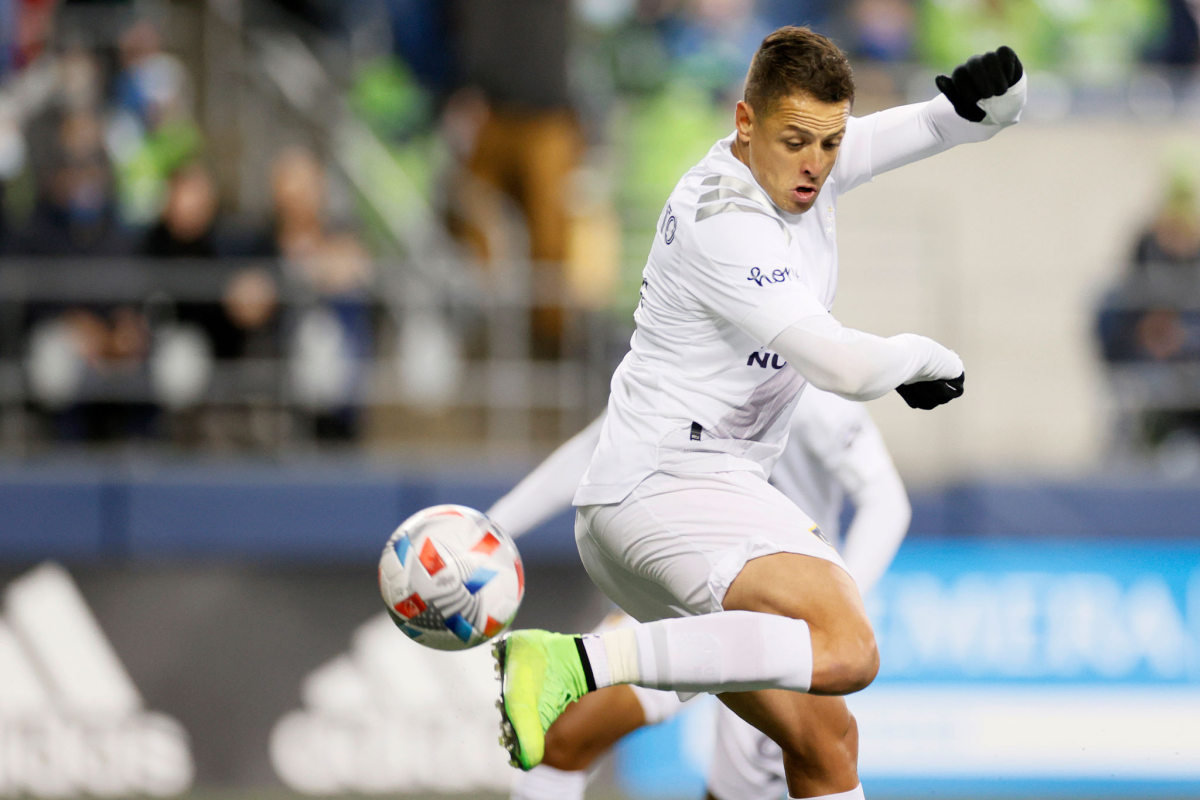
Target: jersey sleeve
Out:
[742,272]
[853,166]
[894,137]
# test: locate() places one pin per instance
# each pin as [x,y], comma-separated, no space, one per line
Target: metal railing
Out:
[452,352]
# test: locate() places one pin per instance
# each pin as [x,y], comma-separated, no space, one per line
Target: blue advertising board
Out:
[1008,668]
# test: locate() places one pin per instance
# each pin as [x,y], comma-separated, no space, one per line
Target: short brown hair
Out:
[794,59]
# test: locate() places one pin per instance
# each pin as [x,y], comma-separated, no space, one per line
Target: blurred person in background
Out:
[1172,239]
[333,340]
[298,187]
[188,228]
[243,321]
[331,337]
[1148,316]
[1179,45]
[713,39]
[152,132]
[1153,317]
[75,216]
[515,53]
[884,30]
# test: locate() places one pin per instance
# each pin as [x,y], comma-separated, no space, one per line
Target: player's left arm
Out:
[882,512]
[977,100]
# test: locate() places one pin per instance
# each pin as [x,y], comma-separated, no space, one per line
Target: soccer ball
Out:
[450,578]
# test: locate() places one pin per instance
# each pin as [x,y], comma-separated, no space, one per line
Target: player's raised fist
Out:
[989,88]
[931,394]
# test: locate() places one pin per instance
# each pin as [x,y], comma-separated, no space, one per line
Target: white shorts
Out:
[675,544]
[746,764]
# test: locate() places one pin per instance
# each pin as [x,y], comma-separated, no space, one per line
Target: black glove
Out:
[988,75]
[931,394]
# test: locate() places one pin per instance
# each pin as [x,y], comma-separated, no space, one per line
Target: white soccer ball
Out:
[451,579]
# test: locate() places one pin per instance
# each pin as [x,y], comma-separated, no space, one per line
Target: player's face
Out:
[791,149]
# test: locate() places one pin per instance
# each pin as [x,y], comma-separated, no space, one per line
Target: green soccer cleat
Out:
[541,673]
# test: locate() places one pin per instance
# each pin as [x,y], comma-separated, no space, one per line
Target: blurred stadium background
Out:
[276,273]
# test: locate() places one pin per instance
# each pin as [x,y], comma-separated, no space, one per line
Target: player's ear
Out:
[744,119]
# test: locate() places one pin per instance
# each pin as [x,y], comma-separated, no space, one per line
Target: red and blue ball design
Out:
[451,579]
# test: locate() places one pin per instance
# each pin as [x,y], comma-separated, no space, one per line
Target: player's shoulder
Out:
[724,213]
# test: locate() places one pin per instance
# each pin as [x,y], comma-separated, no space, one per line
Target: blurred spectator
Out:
[1152,315]
[530,141]
[334,336]
[331,338]
[152,132]
[243,321]
[884,29]
[298,194]
[714,40]
[1173,237]
[1149,326]
[1180,42]
[188,222]
[75,214]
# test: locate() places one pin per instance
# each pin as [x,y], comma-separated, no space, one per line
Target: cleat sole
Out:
[508,735]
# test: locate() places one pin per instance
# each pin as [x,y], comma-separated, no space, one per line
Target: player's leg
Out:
[815,751]
[801,587]
[676,547]
[746,764]
[794,618]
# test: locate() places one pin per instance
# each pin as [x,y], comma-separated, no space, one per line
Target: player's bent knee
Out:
[850,663]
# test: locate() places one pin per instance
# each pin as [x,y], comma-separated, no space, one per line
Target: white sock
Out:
[729,651]
[547,783]
[854,794]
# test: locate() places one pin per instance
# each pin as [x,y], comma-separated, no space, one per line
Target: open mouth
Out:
[804,194]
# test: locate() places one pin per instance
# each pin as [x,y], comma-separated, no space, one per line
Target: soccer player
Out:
[734,592]
[834,450]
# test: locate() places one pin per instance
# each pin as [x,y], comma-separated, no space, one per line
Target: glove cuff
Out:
[1005,109]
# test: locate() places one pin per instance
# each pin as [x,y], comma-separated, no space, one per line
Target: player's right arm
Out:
[743,271]
[861,366]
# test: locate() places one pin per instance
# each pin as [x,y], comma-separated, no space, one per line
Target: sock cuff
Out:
[589,677]
[622,648]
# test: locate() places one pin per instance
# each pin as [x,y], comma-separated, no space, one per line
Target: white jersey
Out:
[728,272]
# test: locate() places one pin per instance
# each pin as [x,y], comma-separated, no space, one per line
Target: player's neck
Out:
[741,152]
